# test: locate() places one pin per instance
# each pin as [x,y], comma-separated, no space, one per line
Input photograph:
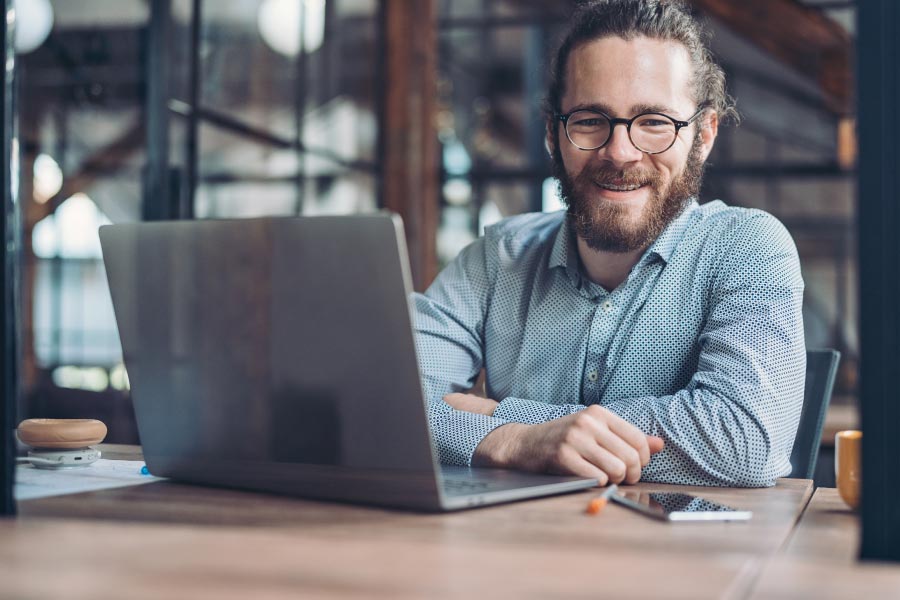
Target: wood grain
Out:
[409,185]
[166,539]
[820,559]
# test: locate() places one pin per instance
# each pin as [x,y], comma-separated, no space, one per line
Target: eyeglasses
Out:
[651,133]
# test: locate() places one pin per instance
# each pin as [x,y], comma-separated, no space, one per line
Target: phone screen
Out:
[674,506]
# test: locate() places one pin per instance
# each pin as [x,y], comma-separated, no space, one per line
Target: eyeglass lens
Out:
[650,132]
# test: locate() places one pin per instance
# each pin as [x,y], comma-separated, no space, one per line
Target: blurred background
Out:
[137,109]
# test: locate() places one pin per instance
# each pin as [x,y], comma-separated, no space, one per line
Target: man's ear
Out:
[709,129]
[550,139]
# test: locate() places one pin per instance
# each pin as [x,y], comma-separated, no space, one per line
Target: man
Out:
[639,335]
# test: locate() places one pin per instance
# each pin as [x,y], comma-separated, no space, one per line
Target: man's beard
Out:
[607,226]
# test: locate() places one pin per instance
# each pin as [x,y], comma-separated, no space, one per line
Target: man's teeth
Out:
[618,188]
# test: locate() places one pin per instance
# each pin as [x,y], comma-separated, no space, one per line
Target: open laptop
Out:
[277,354]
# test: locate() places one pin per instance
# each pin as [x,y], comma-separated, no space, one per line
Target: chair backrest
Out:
[821,368]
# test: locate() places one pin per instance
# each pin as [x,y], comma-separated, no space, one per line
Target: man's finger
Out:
[624,453]
[590,448]
[656,443]
[575,464]
[631,434]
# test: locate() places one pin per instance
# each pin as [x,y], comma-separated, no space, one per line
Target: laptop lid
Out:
[275,354]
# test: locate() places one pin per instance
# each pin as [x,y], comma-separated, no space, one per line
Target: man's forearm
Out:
[707,436]
[711,440]
[499,448]
[533,412]
[457,433]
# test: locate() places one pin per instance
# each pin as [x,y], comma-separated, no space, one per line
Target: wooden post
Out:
[409,144]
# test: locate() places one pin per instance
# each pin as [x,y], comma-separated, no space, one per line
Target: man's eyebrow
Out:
[592,106]
[636,109]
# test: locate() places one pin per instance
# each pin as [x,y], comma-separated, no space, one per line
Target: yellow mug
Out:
[847,465]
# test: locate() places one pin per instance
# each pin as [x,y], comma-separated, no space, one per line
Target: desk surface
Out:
[820,559]
[168,539]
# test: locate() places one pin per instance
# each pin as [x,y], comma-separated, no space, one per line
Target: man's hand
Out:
[592,443]
[472,403]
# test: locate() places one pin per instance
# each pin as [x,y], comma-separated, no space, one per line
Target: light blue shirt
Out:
[702,345]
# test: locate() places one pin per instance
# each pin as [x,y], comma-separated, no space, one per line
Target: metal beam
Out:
[879,273]
[158,198]
[262,136]
[105,161]
[186,202]
[749,170]
[800,36]
[448,23]
[9,226]
[533,92]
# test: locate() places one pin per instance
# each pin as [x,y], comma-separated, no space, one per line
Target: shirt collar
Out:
[565,252]
[664,245]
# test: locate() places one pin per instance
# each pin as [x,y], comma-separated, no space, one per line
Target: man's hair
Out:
[656,19]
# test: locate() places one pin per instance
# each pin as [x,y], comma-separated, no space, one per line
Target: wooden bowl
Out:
[61,433]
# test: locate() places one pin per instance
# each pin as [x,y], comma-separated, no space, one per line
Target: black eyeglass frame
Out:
[613,121]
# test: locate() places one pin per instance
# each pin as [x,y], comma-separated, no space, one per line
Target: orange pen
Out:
[597,504]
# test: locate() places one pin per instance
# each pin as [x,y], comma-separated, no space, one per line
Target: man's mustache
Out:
[608,175]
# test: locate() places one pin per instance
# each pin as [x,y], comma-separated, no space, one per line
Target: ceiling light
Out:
[34,20]
[48,178]
[279,25]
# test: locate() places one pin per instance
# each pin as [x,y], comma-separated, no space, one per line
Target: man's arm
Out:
[735,422]
[596,443]
[449,324]
[449,332]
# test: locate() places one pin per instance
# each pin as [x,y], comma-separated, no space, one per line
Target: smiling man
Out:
[638,334]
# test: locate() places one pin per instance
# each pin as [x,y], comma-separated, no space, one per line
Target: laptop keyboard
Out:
[459,487]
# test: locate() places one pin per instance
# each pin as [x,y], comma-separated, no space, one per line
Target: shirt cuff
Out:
[458,433]
[533,412]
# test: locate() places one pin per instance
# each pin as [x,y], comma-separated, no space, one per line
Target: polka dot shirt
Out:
[702,345]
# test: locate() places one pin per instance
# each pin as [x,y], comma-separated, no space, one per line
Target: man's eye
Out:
[655,123]
[590,123]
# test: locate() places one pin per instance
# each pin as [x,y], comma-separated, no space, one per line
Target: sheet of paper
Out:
[104,474]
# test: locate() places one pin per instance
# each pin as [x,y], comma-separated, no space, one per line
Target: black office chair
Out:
[821,369]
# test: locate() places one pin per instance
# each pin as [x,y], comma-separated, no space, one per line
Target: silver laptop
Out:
[277,354]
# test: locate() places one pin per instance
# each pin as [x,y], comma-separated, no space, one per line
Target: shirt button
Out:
[607,306]
[593,376]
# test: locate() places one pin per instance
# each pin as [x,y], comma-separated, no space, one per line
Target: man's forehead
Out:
[634,109]
[634,75]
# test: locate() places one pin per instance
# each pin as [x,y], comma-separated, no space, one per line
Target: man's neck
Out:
[608,269]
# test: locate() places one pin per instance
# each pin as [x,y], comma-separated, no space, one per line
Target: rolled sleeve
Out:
[533,412]
[449,329]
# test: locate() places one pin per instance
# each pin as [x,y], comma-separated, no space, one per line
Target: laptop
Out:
[277,354]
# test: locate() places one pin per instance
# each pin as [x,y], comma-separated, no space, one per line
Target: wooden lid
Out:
[61,433]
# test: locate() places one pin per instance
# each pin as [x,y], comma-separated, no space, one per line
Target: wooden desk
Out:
[820,559]
[172,540]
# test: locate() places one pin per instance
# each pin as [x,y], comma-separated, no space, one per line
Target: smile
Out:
[619,188]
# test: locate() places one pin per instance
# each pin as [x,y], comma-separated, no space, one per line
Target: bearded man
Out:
[638,334]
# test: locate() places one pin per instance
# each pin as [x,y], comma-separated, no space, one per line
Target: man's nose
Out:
[619,150]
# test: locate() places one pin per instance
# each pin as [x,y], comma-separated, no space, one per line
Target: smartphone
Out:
[673,506]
